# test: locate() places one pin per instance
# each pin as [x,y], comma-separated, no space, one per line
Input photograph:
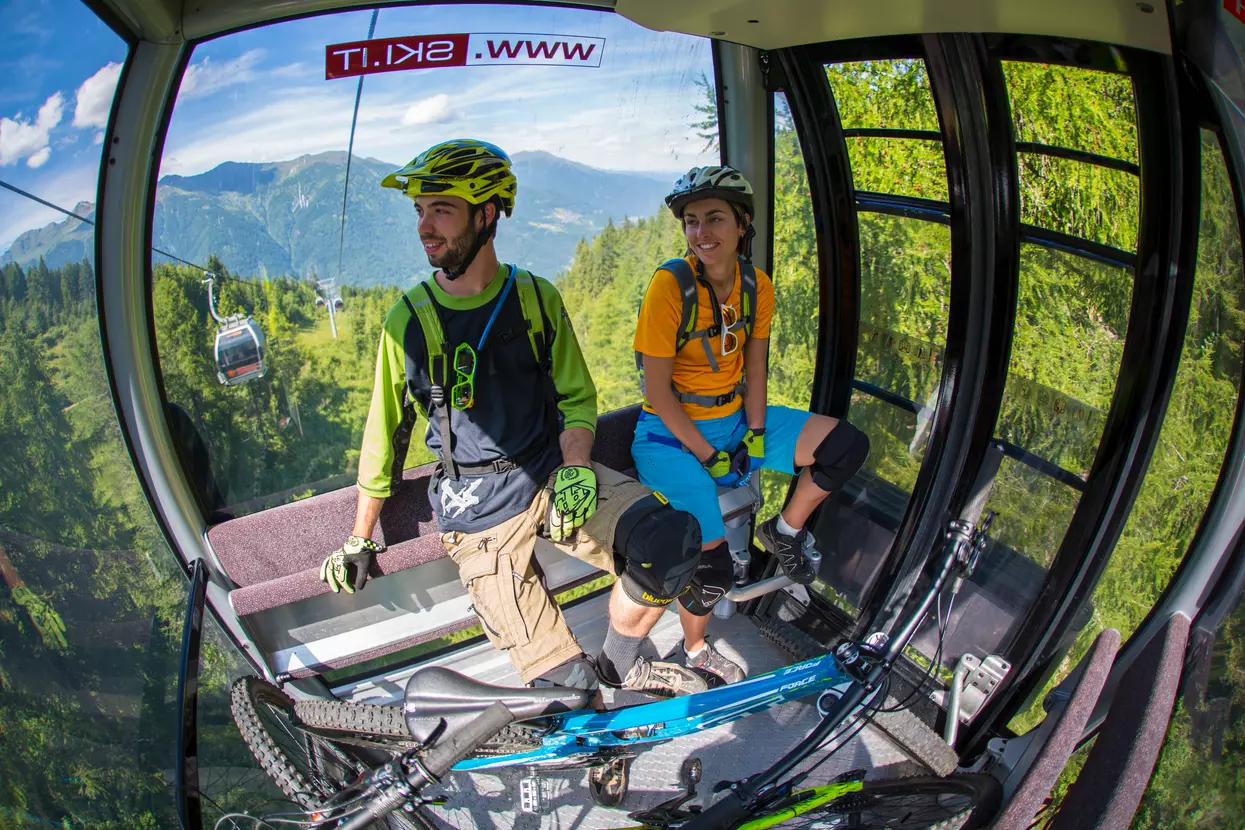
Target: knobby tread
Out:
[902,727]
[796,643]
[917,739]
[389,722]
[344,716]
[242,702]
[248,691]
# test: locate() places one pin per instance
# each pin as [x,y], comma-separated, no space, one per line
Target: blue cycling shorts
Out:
[679,476]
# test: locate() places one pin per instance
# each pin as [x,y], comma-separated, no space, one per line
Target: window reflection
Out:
[1190,450]
[797,290]
[90,608]
[1087,111]
[905,283]
[1197,780]
[251,187]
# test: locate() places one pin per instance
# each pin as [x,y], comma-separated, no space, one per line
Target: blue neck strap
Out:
[501,300]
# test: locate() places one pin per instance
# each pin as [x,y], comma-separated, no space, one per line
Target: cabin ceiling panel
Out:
[778,23]
[781,23]
[165,21]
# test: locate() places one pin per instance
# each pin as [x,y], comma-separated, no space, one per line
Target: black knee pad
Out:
[659,549]
[580,672]
[839,456]
[714,576]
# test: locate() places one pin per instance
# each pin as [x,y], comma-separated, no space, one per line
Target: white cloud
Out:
[205,77]
[296,122]
[428,111]
[40,158]
[312,119]
[95,97]
[98,138]
[24,140]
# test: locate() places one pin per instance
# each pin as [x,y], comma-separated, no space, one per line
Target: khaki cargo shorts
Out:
[499,570]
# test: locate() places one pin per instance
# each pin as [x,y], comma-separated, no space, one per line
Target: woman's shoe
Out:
[790,551]
[712,661]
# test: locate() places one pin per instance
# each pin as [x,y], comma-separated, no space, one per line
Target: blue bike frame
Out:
[584,733]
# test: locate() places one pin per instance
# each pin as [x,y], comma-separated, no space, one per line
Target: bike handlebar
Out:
[433,766]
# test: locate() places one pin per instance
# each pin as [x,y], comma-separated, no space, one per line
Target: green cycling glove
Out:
[347,566]
[43,616]
[754,440]
[574,501]
[728,470]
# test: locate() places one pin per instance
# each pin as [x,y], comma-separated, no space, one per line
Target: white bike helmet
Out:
[710,182]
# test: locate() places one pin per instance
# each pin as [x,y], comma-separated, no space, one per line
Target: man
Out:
[487,352]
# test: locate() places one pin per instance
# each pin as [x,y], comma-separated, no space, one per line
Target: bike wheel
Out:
[959,802]
[310,768]
[384,727]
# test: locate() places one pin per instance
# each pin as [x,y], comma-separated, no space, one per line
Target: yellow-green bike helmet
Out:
[464,167]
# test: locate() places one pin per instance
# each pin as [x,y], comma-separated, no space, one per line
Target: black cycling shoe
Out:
[608,783]
[790,551]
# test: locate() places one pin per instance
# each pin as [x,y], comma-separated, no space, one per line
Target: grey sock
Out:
[617,655]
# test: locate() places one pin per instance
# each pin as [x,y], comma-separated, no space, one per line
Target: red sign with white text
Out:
[1236,8]
[368,57]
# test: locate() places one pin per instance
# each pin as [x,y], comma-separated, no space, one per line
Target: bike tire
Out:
[384,727]
[958,802]
[307,766]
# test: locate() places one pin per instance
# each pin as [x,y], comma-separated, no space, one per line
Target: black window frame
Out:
[964,422]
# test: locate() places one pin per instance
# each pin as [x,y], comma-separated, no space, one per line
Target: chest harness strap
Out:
[440,363]
[687,331]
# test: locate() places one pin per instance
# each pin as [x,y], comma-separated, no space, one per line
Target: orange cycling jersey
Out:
[658,326]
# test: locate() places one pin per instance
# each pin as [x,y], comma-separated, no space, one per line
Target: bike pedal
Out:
[531,795]
[851,776]
[689,774]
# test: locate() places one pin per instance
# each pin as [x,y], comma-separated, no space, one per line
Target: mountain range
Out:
[280,218]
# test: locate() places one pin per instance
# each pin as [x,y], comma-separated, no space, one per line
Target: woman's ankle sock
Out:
[786,529]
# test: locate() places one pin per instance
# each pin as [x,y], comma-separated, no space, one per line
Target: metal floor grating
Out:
[490,800]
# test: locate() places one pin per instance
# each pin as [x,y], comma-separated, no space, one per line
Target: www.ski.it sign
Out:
[395,54]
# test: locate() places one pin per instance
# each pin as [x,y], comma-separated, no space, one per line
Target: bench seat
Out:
[413,596]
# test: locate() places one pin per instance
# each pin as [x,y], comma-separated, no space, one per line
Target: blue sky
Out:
[260,95]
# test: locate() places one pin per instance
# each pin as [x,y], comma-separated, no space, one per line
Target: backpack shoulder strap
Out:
[533,308]
[748,294]
[686,280]
[425,310]
[419,301]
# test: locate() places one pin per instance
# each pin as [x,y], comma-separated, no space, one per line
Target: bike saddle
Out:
[440,700]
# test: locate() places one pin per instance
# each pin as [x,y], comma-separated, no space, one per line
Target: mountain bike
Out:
[451,721]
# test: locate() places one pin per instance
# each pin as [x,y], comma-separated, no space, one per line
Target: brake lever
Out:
[978,543]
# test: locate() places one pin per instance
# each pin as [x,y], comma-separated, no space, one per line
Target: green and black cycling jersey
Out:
[517,415]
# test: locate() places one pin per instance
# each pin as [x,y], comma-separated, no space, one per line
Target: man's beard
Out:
[455,253]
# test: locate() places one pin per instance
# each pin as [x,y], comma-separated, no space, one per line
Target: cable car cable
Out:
[241,337]
[91,222]
[354,120]
[341,236]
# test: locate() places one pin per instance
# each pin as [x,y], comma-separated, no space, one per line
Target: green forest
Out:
[91,621]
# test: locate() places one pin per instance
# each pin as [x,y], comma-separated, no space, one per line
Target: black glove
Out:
[347,566]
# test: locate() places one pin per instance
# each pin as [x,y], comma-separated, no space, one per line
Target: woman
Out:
[702,426]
